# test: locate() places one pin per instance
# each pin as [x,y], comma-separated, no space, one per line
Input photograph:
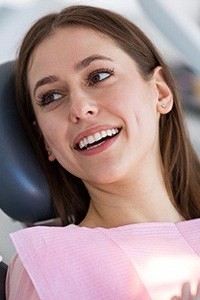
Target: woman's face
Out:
[98,116]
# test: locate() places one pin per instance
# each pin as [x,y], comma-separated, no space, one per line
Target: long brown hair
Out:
[180,163]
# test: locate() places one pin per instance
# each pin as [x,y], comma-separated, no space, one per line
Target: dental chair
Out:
[3,271]
[24,192]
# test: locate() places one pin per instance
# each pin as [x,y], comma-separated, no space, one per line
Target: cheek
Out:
[125,101]
[118,97]
[136,105]
[51,129]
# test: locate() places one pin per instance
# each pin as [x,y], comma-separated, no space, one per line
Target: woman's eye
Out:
[100,76]
[49,97]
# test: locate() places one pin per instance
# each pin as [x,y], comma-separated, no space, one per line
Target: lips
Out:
[95,139]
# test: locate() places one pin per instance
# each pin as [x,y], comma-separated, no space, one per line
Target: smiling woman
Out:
[101,109]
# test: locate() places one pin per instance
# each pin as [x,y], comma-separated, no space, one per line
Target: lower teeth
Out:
[94,146]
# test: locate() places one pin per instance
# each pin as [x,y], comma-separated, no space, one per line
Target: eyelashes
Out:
[94,78]
[99,75]
[48,97]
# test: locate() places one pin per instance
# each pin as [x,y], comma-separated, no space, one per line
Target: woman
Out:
[102,112]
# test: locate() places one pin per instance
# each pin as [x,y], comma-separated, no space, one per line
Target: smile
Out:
[96,139]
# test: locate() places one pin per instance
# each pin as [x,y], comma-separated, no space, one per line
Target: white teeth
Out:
[90,139]
[103,133]
[81,144]
[97,136]
[109,132]
[113,131]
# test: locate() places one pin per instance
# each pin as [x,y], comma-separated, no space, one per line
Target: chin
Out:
[107,177]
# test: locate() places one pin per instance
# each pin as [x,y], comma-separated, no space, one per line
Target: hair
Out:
[181,167]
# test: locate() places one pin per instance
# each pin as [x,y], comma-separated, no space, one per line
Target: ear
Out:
[51,156]
[165,97]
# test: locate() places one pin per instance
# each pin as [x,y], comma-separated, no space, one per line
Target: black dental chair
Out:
[24,192]
[3,271]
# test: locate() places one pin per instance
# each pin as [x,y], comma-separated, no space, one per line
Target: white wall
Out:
[15,19]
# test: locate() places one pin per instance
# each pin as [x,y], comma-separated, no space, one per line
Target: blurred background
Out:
[174,26]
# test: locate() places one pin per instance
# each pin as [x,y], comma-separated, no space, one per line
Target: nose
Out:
[81,107]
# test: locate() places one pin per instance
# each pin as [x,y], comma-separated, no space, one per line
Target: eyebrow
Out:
[78,66]
[45,80]
[87,61]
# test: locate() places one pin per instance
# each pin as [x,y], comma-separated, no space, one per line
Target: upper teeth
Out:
[97,136]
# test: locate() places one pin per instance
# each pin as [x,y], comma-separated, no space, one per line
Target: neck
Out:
[129,202]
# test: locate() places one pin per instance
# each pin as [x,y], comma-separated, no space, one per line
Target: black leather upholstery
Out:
[24,192]
[3,271]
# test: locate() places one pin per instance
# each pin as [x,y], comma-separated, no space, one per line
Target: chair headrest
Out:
[24,192]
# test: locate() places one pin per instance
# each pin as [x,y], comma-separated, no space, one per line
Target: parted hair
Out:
[181,166]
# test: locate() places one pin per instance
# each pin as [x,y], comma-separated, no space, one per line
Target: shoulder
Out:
[38,243]
[57,254]
[44,236]
[18,283]
[38,246]
[40,237]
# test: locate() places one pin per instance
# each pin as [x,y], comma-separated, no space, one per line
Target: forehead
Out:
[71,42]
[58,53]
